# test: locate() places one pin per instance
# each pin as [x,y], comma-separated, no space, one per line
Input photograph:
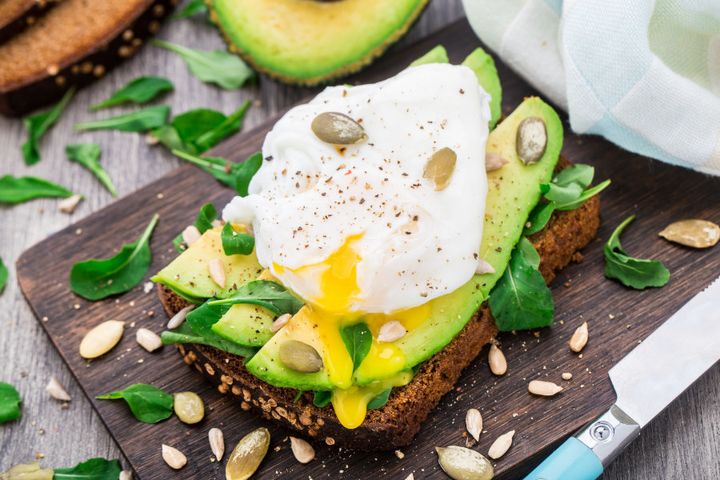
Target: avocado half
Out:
[307,42]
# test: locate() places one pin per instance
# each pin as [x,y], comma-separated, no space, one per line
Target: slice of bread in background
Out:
[73,44]
[16,15]
[395,424]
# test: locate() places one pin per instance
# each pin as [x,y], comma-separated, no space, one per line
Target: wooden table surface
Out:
[679,444]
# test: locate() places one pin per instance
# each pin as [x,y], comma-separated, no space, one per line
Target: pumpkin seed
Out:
[338,129]
[464,464]
[501,445]
[56,390]
[440,167]
[303,451]
[30,471]
[247,455]
[693,233]
[493,161]
[531,140]
[179,317]
[543,388]
[173,457]
[497,361]
[391,331]
[579,338]
[217,443]
[189,407]
[101,339]
[148,339]
[300,357]
[474,423]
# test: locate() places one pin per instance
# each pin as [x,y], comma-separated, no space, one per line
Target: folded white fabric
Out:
[645,74]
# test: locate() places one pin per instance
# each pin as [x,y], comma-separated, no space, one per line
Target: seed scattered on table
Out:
[579,338]
[148,339]
[189,407]
[56,390]
[101,339]
[474,423]
[173,457]
[501,445]
[302,450]
[543,388]
[497,361]
[217,443]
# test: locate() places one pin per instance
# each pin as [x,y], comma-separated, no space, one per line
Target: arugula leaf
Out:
[193,7]
[264,293]
[539,217]
[92,469]
[632,272]
[380,400]
[229,126]
[521,300]
[9,403]
[37,125]
[217,66]
[88,155]
[322,398]
[193,123]
[202,318]
[235,243]
[185,334]
[587,194]
[138,121]
[235,175]
[203,222]
[140,90]
[357,339]
[21,189]
[96,279]
[578,173]
[168,136]
[147,403]
[3,275]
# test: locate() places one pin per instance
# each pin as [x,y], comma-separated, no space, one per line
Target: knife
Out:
[646,381]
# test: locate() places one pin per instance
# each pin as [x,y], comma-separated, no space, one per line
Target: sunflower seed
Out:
[543,388]
[56,390]
[566,376]
[693,233]
[474,423]
[391,331]
[247,455]
[483,267]
[493,161]
[497,361]
[70,204]
[300,357]
[217,271]
[101,339]
[501,445]
[338,129]
[303,451]
[280,322]
[188,407]
[125,475]
[410,477]
[464,464]
[531,140]
[179,317]
[217,443]
[190,235]
[148,339]
[579,338]
[440,167]
[173,457]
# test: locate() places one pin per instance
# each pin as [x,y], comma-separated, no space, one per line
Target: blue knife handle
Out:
[573,460]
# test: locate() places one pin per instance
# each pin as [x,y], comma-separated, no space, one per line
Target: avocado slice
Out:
[245,324]
[308,42]
[484,67]
[437,55]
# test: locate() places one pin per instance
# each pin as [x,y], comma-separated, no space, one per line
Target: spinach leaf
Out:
[147,403]
[584,196]
[96,279]
[235,243]
[21,189]
[202,318]
[138,121]
[229,126]
[578,173]
[322,398]
[539,217]
[632,272]
[140,90]
[203,222]
[380,400]
[3,275]
[357,339]
[521,300]
[193,123]
[193,7]
[37,125]
[9,403]
[235,175]
[264,293]
[217,66]
[88,155]
[184,334]
[168,136]
[92,469]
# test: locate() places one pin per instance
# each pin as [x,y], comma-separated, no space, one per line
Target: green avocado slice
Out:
[437,55]
[245,324]
[484,67]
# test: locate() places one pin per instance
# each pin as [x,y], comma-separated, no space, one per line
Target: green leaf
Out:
[632,272]
[96,279]
[168,136]
[9,403]
[88,155]
[217,66]
[229,126]
[380,400]
[264,293]
[322,398]
[245,171]
[521,300]
[3,275]
[37,125]
[539,217]
[147,403]
[235,243]
[139,121]
[92,469]
[203,222]
[138,91]
[202,318]
[357,339]
[184,334]
[193,123]
[579,173]
[21,189]
[561,193]
[235,175]
[193,7]
[585,196]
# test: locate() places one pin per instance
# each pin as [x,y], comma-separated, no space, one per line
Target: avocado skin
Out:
[285,60]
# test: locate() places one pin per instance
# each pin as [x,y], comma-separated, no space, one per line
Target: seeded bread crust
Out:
[16,15]
[395,424]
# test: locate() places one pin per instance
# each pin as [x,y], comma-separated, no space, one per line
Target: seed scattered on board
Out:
[101,339]
[567,376]
[497,361]
[69,204]
[247,455]
[543,388]
[693,233]
[189,407]
[173,457]
[501,445]
[579,338]
[474,423]
[461,463]
[148,339]
[302,450]
[217,443]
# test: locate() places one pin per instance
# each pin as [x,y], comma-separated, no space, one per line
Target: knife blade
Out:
[646,381]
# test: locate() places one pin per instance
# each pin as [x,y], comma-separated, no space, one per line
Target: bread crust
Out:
[395,424]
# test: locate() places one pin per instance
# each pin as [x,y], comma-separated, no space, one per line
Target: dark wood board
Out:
[619,318]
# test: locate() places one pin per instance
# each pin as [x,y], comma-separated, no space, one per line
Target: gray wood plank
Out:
[682,443]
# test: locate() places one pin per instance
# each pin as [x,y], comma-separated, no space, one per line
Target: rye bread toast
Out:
[16,15]
[395,424]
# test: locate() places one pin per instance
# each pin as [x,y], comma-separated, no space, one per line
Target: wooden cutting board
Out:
[619,318]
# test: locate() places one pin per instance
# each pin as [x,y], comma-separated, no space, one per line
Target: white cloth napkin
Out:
[645,74]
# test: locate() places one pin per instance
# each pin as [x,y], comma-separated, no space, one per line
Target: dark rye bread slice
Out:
[16,15]
[395,424]
[75,43]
